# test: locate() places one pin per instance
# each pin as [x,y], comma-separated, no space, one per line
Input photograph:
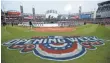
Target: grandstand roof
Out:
[105,2]
[13,11]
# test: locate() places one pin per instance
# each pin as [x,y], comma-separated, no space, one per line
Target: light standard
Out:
[94,14]
[33,11]
[4,12]
[21,9]
[80,10]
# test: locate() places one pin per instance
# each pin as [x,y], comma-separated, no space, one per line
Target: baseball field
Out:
[100,55]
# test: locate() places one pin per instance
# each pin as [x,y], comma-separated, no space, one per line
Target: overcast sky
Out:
[42,6]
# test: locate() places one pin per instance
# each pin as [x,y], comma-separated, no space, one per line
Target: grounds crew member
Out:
[84,23]
[12,23]
[31,25]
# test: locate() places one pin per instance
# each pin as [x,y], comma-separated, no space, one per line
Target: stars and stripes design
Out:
[58,48]
[59,51]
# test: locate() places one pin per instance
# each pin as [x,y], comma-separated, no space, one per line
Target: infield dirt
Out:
[54,29]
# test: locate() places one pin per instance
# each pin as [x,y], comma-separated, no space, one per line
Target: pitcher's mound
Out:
[54,29]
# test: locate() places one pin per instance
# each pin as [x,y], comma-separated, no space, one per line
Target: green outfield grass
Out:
[101,55]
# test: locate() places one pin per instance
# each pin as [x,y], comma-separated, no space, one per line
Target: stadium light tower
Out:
[80,10]
[4,11]
[94,14]
[33,11]
[21,9]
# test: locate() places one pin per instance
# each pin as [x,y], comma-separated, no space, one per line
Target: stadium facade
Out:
[53,16]
[103,10]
